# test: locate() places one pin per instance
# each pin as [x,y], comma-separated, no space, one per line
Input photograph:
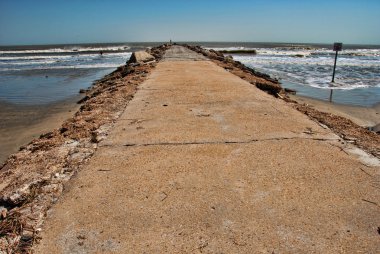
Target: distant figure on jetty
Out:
[170,41]
[101,52]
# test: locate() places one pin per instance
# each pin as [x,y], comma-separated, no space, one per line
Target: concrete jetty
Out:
[202,161]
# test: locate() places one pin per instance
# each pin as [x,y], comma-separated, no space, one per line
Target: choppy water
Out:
[312,65]
[309,66]
[63,58]
[48,73]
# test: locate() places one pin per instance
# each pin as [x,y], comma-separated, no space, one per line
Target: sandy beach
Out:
[21,124]
[362,116]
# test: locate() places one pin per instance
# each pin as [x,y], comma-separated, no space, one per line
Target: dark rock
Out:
[218,53]
[63,130]
[241,51]
[126,70]
[261,75]
[291,91]
[273,89]
[83,99]
[47,135]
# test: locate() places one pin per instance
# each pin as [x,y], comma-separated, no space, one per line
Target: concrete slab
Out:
[236,198]
[178,53]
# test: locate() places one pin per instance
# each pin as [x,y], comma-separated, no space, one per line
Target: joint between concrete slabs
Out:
[223,142]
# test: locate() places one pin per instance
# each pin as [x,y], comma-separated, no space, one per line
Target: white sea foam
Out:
[64,61]
[59,57]
[305,51]
[66,50]
[308,61]
[316,70]
[30,62]
[84,66]
[231,48]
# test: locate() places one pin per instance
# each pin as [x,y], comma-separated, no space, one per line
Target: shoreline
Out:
[362,116]
[26,116]
[362,97]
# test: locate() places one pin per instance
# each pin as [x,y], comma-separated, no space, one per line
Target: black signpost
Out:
[337,47]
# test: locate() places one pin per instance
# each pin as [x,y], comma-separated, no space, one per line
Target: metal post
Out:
[336,56]
[337,47]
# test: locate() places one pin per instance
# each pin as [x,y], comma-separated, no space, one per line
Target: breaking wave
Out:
[356,68]
[66,50]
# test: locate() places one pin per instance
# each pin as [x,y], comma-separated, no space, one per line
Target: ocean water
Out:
[35,75]
[49,73]
[308,69]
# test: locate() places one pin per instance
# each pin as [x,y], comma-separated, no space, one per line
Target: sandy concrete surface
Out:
[363,116]
[21,124]
[203,162]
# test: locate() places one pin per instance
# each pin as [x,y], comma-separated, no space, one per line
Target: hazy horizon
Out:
[162,42]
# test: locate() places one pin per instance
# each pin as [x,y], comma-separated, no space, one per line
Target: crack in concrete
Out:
[224,142]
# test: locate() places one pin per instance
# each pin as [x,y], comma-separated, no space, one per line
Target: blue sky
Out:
[58,21]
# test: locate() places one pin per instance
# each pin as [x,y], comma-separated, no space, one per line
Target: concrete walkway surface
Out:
[203,162]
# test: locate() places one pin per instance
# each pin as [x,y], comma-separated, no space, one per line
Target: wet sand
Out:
[21,124]
[363,116]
